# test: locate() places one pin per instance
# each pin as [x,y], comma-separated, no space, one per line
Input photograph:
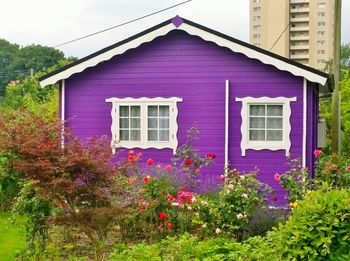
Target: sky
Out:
[52,22]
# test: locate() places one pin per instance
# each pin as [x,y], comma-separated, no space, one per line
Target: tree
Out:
[345,56]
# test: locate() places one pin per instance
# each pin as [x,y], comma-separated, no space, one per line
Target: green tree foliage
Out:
[345,56]
[16,62]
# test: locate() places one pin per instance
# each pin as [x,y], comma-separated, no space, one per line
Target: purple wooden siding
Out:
[185,66]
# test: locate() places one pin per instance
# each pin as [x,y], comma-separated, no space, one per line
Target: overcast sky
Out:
[51,22]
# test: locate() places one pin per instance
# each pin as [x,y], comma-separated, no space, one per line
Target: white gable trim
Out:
[193,30]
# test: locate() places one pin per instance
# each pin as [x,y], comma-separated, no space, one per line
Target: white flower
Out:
[242,177]
[217,231]
[204,225]
[240,216]
[244,195]
[204,203]
[230,186]
[175,204]
[189,208]
[194,199]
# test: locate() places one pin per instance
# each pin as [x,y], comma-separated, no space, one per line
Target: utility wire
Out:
[279,37]
[122,24]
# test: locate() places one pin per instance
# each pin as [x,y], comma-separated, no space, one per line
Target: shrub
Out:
[232,209]
[189,247]
[295,180]
[318,228]
[333,169]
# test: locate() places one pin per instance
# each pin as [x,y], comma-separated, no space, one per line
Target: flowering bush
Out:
[295,180]
[333,169]
[232,210]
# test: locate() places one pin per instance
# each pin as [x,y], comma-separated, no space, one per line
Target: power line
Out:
[122,24]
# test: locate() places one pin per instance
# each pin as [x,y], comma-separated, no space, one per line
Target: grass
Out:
[12,237]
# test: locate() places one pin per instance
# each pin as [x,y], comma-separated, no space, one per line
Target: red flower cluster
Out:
[163,216]
[188,162]
[167,168]
[146,179]
[211,156]
[131,156]
[150,162]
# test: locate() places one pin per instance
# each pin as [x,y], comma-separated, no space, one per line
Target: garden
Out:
[78,201]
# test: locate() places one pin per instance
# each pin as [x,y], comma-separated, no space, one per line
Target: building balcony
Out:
[299,28]
[299,38]
[299,10]
[298,1]
[299,56]
[300,19]
[299,47]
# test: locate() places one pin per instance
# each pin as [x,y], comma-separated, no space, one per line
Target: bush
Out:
[232,209]
[333,169]
[189,247]
[318,228]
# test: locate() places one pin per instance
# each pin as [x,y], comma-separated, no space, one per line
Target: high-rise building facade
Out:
[302,30]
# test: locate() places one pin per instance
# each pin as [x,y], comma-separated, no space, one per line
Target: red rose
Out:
[139,154]
[131,153]
[211,156]
[169,225]
[188,162]
[167,167]
[163,216]
[131,159]
[150,162]
[170,197]
[317,153]
[146,179]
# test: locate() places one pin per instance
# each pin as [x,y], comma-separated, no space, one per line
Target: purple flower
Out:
[81,181]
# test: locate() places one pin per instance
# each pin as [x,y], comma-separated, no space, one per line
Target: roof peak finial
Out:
[177,21]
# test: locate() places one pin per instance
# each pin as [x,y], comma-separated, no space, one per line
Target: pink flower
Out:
[150,162]
[36,182]
[169,225]
[317,153]
[131,159]
[222,177]
[167,167]
[131,153]
[277,177]
[170,198]
[139,154]
[197,171]
[347,168]
[230,186]
[146,179]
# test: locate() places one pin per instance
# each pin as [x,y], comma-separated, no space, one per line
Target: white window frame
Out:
[285,143]
[144,103]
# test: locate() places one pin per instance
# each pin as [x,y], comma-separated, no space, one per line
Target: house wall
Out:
[180,65]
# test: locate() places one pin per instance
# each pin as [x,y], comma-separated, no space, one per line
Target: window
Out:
[321,52]
[256,1]
[256,27]
[321,5]
[256,18]
[320,62]
[256,9]
[265,123]
[320,43]
[320,33]
[144,122]
[321,24]
[256,36]
[321,14]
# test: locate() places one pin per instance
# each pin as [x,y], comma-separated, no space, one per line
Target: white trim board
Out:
[304,122]
[192,30]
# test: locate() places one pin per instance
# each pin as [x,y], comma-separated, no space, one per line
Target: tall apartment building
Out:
[302,30]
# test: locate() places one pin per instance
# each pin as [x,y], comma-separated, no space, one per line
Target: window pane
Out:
[134,135]
[152,111]
[164,135]
[124,134]
[152,123]
[164,123]
[256,135]
[164,111]
[135,123]
[124,123]
[124,111]
[135,111]
[274,110]
[152,135]
[274,123]
[274,135]
[257,123]
[257,110]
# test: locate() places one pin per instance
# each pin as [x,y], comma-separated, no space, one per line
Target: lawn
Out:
[12,237]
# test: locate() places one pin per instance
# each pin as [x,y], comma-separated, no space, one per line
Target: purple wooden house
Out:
[253,108]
